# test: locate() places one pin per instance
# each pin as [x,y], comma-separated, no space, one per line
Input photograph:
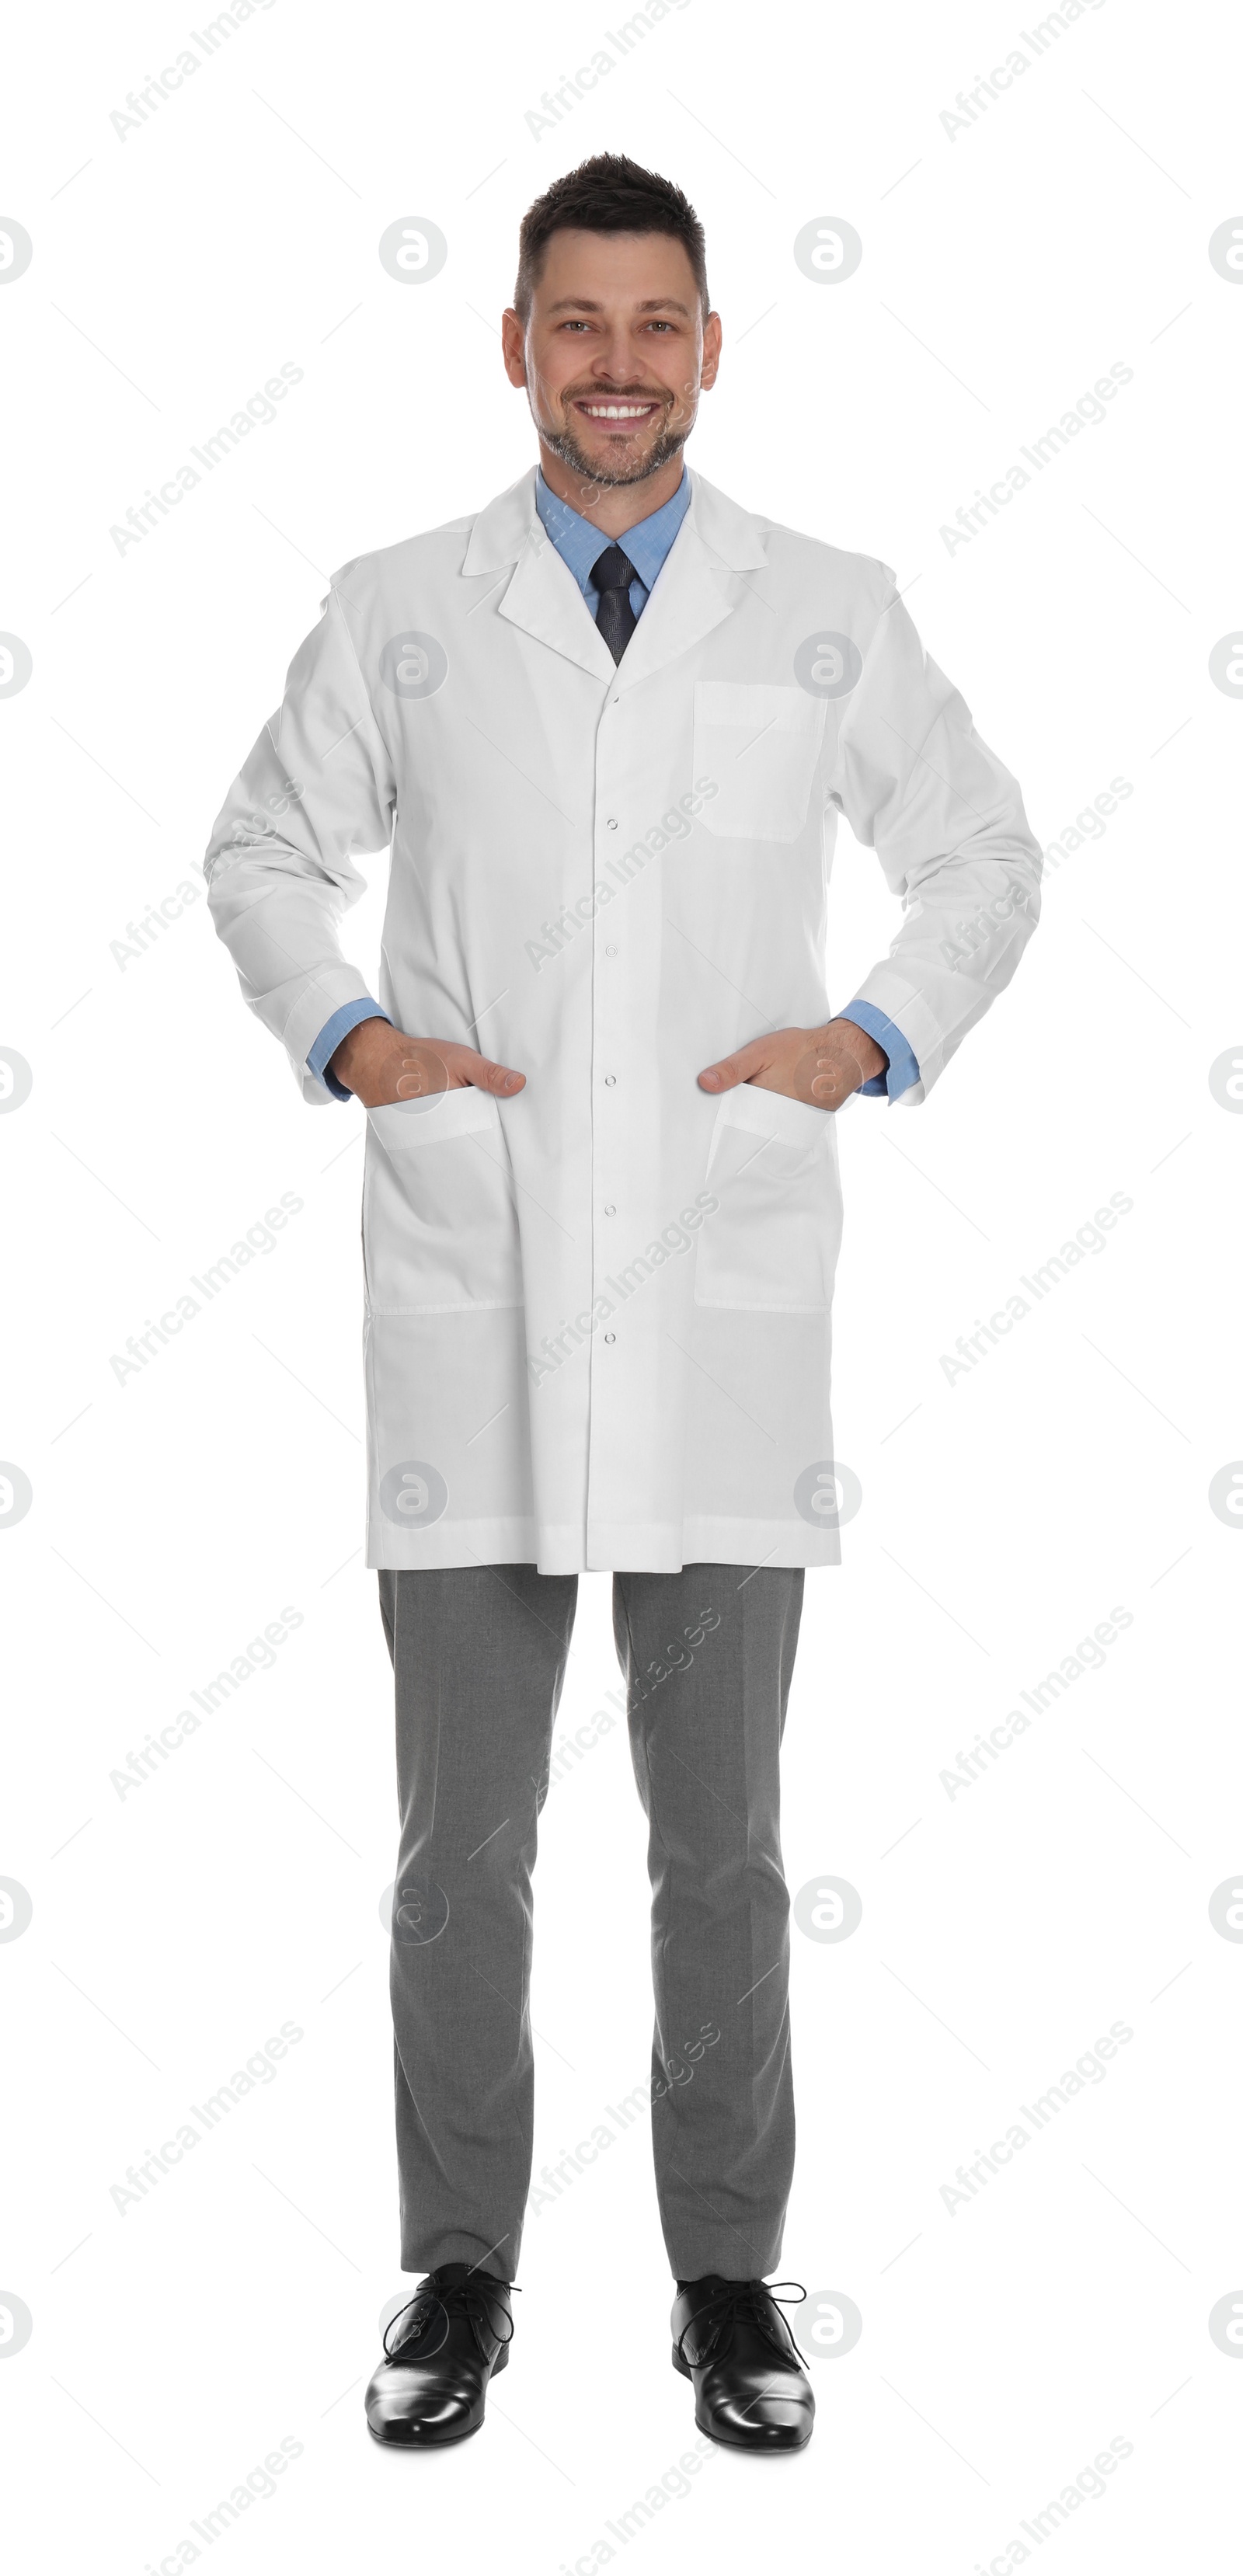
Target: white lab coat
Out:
[597,1316]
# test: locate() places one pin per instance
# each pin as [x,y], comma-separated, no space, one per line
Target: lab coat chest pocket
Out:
[440,1229]
[760,745]
[772,1241]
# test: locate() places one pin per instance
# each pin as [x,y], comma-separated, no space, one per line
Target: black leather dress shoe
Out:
[439,2354]
[731,2339]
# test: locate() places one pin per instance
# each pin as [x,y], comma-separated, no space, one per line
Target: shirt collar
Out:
[580,544]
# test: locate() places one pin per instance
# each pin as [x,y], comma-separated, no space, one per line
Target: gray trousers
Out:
[479,1657]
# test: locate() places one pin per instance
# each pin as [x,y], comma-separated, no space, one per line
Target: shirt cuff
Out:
[902,1069]
[339,1027]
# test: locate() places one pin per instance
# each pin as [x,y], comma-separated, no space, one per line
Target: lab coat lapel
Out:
[701,582]
[542,595]
[545,599]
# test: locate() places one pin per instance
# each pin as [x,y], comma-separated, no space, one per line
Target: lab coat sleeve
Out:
[317,787]
[916,783]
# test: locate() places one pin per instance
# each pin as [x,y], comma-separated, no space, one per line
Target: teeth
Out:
[615,411]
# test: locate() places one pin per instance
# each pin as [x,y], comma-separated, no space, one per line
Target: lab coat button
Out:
[610,1079]
[612,822]
[610,1210]
[610,1337]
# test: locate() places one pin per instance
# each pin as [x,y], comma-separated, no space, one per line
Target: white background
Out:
[1005,1513]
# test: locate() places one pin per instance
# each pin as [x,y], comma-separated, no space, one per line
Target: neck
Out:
[611,507]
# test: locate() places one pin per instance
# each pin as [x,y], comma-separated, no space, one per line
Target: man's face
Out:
[614,353]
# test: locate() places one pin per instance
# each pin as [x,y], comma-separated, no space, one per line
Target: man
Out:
[608,724]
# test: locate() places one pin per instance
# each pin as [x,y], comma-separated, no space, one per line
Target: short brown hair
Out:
[608,194]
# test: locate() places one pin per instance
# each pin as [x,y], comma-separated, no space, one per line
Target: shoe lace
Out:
[749,2302]
[468,2298]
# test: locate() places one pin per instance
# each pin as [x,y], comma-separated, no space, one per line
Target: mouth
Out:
[627,414]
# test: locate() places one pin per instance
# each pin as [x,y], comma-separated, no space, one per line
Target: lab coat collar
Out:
[693,592]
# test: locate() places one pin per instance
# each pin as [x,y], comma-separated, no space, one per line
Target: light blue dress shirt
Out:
[646,546]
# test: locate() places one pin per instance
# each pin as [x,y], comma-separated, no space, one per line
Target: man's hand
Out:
[820,1066]
[380,1064]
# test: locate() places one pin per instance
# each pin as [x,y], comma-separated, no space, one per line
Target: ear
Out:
[513,347]
[712,352]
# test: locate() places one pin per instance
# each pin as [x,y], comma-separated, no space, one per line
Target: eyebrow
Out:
[587,304]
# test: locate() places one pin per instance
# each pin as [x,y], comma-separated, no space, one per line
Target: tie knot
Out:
[612,570]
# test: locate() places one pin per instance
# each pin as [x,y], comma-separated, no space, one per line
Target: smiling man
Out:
[608,725]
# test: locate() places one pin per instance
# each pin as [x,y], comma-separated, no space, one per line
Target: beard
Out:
[564,444]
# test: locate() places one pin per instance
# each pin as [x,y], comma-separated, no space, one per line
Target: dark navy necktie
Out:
[612,572]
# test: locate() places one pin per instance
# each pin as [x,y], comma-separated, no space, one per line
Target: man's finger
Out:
[734,1069]
[484,1074]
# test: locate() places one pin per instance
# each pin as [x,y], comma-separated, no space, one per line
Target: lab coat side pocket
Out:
[440,1227]
[771,1244]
